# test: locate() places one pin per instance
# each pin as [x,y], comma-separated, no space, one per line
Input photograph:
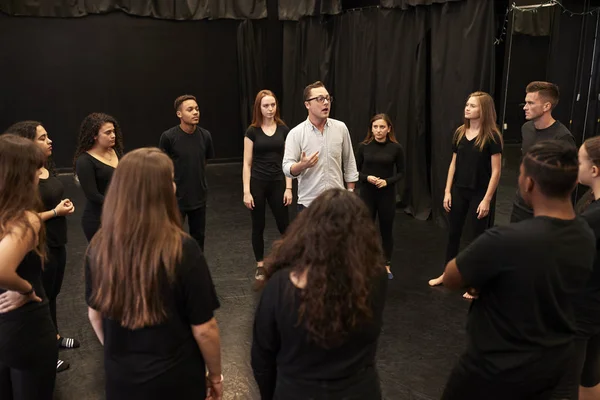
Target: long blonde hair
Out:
[135,252]
[489,129]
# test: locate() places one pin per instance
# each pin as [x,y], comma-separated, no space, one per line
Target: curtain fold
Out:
[161,9]
[405,4]
[293,10]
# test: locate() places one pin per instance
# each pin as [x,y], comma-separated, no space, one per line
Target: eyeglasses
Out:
[321,99]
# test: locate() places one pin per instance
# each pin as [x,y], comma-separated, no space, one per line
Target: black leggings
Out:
[28,357]
[52,277]
[263,192]
[382,205]
[463,208]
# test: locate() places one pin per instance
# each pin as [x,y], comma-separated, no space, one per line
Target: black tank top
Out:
[30,269]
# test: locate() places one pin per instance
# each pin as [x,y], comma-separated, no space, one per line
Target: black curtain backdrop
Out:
[295,9]
[412,64]
[404,4]
[59,70]
[162,9]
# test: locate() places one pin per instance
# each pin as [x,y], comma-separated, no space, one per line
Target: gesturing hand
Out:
[309,162]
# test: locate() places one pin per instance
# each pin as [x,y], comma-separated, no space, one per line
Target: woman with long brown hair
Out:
[474,173]
[28,350]
[320,314]
[376,158]
[56,209]
[582,378]
[262,176]
[99,147]
[150,294]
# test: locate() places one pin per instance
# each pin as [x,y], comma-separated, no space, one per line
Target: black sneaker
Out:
[259,275]
[67,343]
[61,366]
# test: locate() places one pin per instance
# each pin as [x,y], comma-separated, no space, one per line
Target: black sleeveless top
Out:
[30,269]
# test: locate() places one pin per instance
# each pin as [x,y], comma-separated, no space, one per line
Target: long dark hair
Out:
[139,242]
[257,117]
[90,126]
[28,130]
[335,242]
[391,137]
[20,160]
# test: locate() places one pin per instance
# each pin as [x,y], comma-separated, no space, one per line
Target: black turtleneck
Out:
[379,159]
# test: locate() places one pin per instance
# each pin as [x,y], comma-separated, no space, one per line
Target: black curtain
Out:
[59,70]
[412,64]
[293,10]
[404,4]
[162,9]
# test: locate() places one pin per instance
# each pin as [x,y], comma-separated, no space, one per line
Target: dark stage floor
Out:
[424,328]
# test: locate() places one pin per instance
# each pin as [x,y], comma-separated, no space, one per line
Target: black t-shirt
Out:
[164,356]
[587,306]
[528,274]
[281,347]
[94,177]
[267,152]
[379,159]
[189,152]
[52,193]
[473,166]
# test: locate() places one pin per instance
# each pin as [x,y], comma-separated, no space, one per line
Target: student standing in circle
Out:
[473,174]
[376,158]
[262,175]
[99,148]
[28,350]
[56,208]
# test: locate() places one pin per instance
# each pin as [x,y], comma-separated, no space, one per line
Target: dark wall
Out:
[59,70]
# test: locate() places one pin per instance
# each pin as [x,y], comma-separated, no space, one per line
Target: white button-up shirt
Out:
[336,163]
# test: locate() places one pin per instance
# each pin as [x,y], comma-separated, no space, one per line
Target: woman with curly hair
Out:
[320,315]
[54,213]
[28,350]
[99,147]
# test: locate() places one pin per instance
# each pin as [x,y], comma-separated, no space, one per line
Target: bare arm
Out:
[247,168]
[495,178]
[13,248]
[451,170]
[209,341]
[96,321]
[349,162]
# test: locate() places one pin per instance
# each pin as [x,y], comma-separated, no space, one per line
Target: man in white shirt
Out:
[319,151]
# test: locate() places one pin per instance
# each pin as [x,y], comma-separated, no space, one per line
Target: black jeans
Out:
[463,209]
[52,277]
[28,357]
[382,205]
[197,224]
[264,192]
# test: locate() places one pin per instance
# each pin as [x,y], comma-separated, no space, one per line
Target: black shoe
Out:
[61,366]
[67,343]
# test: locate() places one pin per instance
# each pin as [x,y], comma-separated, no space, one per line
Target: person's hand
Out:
[214,388]
[381,183]
[309,162]
[373,180]
[11,300]
[248,201]
[447,201]
[287,197]
[65,207]
[483,209]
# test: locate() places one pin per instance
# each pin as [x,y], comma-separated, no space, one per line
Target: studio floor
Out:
[424,328]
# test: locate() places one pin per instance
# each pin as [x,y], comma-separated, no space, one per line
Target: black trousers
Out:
[464,385]
[464,209]
[28,357]
[264,192]
[90,225]
[584,368]
[52,277]
[382,205]
[197,223]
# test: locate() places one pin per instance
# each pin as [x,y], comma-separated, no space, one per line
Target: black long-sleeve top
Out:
[379,159]
[94,177]
[281,347]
